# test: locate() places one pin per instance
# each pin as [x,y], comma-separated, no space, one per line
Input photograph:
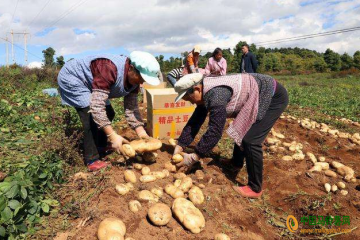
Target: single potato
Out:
[159,214]
[111,229]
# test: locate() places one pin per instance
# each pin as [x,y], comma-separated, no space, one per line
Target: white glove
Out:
[140,131]
[189,160]
[116,142]
[178,149]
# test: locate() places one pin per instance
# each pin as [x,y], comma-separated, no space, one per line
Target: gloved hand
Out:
[178,149]
[116,142]
[189,160]
[140,131]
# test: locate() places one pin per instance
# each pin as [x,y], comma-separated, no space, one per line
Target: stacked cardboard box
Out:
[165,118]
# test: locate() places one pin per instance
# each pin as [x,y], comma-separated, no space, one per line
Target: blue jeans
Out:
[171,80]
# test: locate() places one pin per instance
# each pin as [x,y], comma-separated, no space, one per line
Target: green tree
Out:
[332,59]
[320,65]
[48,57]
[60,61]
[347,61]
[357,59]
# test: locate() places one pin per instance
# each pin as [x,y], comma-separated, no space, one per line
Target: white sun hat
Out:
[185,83]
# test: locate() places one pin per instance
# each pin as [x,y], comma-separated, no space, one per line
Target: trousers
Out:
[95,139]
[252,142]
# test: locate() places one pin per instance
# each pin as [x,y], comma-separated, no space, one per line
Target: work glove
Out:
[188,161]
[178,150]
[116,142]
[140,131]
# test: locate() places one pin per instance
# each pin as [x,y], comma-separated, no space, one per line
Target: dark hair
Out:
[191,90]
[246,45]
[216,52]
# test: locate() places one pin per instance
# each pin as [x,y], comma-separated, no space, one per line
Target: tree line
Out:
[287,60]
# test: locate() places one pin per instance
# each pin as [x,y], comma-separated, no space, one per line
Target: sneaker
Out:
[97,165]
[246,191]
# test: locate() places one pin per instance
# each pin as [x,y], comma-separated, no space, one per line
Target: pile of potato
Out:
[324,128]
[348,121]
[145,147]
[159,214]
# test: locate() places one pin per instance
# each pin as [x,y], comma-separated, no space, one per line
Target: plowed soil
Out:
[288,190]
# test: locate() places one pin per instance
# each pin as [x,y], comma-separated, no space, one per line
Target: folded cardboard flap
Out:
[148,86]
[166,119]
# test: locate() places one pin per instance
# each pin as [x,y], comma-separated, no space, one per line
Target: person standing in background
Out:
[248,61]
[192,61]
[216,65]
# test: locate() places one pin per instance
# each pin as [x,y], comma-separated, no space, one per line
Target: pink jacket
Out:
[215,68]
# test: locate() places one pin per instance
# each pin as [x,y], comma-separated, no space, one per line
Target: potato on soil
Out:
[172,142]
[330,173]
[122,189]
[344,192]
[130,186]
[147,178]
[138,166]
[346,172]
[146,195]
[188,215]
[145,171]
[158,174]
[173,191]
[287,158]
[111,229]
[171,168]
[312,157]
[199,175]
[221,236]
[130,176]
[196,195]
[316,168]
[150,157]
[146,145]
[186,184]
[327,187]
[159,214]
[177,158]
[166,172]
[341,185]
[134,205]
[129,151]
[158,191]
[334,188]
[324,165]
[179,175]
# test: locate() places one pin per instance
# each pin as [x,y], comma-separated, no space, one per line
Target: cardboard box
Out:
[165,118]
[148,86]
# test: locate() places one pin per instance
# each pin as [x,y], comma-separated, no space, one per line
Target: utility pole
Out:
[7,52]
[25,45]
[12,46]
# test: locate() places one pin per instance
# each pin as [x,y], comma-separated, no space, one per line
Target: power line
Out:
[308,36]
[22,48]
[12,19]
[67,12]
[39,12]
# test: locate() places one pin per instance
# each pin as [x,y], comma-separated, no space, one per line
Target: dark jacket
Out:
[250,63]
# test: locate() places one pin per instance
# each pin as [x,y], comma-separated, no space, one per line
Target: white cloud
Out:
[35,65]
[161,26]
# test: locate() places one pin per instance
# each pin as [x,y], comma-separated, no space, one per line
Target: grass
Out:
[323,97]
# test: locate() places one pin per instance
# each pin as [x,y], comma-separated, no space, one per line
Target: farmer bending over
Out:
[255,101]
[88,84]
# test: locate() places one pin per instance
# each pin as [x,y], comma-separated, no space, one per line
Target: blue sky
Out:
[161,27]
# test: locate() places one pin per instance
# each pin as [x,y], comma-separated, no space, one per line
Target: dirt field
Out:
[288,190]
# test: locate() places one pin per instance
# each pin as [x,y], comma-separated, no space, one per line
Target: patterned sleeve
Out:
[98,107]
[132,113]
[216,101]
[193,126]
